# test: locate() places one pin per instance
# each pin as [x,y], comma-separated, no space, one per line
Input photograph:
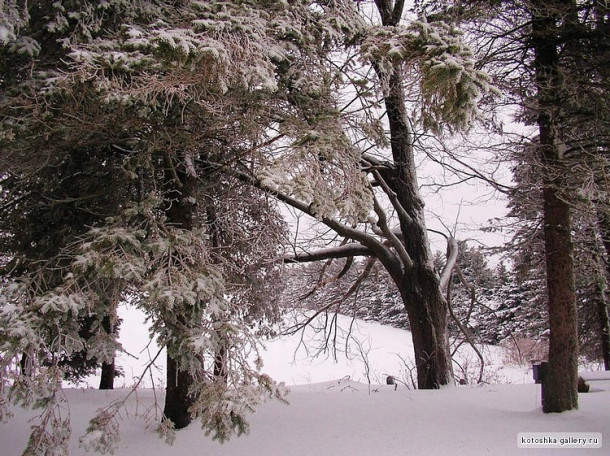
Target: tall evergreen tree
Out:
[549,58]
[151,88]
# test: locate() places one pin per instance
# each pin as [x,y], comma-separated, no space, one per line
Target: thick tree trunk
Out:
[560,384]
[419,284]
[107,377]
[427,318]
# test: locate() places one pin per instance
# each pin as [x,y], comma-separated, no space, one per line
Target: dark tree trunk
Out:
[604,323]
[560,388]
[108,370]
[220,365]
[177,397]
[427,318]
[181,213]
[107,377]
[560,385]
[419,285]
[24,365]
[603,219]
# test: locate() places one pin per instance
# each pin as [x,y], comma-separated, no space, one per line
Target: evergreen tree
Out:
[148,89]
[340,169]
[552,58]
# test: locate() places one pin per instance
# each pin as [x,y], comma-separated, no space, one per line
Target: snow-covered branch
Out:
[368,242]
[452,256]
[343,251]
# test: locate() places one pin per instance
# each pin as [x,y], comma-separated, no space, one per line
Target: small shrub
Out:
[524,350]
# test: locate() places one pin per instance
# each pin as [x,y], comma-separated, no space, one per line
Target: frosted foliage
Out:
[168,272]
[12,17]
[224,46]
[129,67]
[450,85]
[223,410]
[323,171]
[102,433]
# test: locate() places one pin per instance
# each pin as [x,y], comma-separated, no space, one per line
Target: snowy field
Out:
[335,410]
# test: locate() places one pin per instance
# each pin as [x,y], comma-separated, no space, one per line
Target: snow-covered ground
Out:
[334,410]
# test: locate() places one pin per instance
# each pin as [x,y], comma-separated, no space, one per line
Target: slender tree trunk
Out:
[604,323]
[108,369]
[560,385]
[220,359]
[603,220]
[24,365]
[180,214]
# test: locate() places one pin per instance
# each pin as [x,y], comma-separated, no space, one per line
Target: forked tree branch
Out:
[369,244]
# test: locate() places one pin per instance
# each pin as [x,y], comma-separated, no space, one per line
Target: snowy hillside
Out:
[290,359]
[331,414]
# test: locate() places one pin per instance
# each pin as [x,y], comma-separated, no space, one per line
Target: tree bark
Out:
[108,369]
[604,323]
[603,220]
[560,385]
[419,284]
[180,214]
[560,388]
[107,377]
[177,397]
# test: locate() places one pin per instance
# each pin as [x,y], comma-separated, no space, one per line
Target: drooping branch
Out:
[322,283]
[369,244]
[355,286]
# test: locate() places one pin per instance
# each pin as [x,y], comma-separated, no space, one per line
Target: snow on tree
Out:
[150,87]
[549,59]
[342,168]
